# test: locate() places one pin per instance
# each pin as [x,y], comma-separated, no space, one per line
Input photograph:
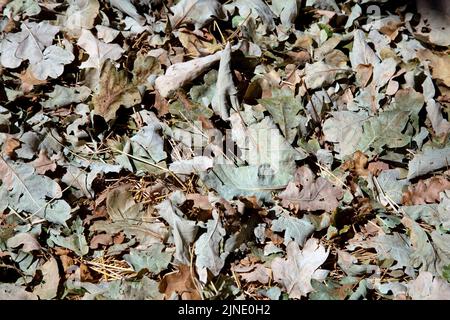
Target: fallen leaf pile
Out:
[206,149]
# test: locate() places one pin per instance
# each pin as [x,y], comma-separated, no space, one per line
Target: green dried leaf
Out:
[26,191]
[295,229]
[72,239]
[428,161]
[230,181]
[153,259]
[284,108]
[63,96]
[384,130]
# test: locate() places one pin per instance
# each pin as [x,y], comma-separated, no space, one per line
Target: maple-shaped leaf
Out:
[295,229]
[384,130]
[52,64]
[115,91]
[301,266]
[319,194]
[27,44]
[98,51]
[25,191]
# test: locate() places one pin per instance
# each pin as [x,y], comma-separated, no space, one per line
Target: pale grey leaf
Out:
[10,291]
[208,249]
[392,185]
[428,287]
[298,269]
[48,288]
[230,181]
[196,12]
[225,89]
[98,51]
[182,229]
[52,63]
[75,241]
[345,129]
[127,7]
[194,165]
[428,161]
[62,96]
[361,52]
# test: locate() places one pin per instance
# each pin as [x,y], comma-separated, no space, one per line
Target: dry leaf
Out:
[43,163]
[115,91]
[440,65]
[29,81]
[179,74]
[314,195]
[180,282]
[426,191]
[256,273]
[100,239]
[301,266]
[10,146]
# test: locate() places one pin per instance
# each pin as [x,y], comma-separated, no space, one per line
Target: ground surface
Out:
[224,150]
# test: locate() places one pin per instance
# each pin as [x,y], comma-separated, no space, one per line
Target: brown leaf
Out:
[426,191]
[376,167]
[179,282]
[67,262]
[200,201]
[198,45]
[360,161]
[363,74]
[100,239]
[161,104]
[299,58]
[257,273]
[439,63]
[143,67]
[275,238]
[115,91]
[43,163]
[85,273]
[315,195]
[391,28]
[29,81]
[10,145]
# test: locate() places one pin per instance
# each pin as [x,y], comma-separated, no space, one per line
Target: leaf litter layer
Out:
[206,149]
